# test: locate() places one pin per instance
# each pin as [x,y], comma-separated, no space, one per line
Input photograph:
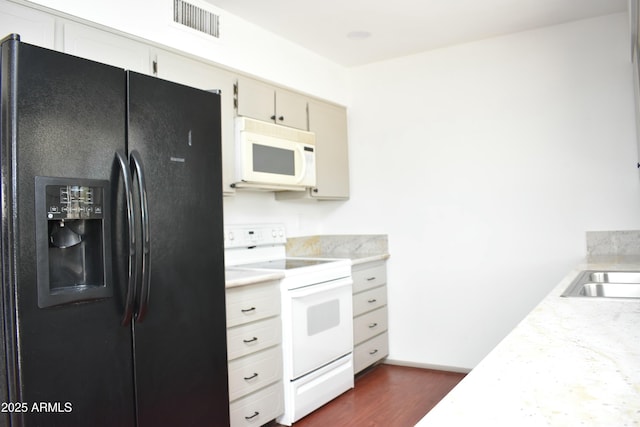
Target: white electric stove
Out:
[317,325]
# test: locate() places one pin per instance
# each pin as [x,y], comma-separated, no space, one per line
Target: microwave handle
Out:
[303,173]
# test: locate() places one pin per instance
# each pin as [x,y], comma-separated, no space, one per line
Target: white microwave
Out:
[274,157]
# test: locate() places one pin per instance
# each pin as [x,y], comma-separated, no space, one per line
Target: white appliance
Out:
[317,321]
[274,157]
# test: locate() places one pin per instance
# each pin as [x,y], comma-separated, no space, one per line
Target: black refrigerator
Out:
[113,304]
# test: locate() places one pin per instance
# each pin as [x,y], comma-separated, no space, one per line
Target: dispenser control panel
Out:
[74,202]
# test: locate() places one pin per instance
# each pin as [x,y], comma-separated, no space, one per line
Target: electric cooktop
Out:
[286,263]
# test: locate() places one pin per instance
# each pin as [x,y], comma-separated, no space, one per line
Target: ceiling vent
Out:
[196,18]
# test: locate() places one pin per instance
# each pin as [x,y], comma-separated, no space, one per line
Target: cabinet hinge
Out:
[235,96]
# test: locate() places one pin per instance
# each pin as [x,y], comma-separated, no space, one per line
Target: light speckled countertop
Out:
[570,362]
[359,248]
[239,277]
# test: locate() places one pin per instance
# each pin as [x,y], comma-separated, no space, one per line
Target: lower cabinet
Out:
[259,408]
[371,351]
[255,354]
[370,336]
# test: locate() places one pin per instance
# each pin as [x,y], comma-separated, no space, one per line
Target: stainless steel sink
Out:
[605,284]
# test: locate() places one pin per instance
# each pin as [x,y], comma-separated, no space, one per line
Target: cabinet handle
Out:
[255,414]
[373,352]
[281,118]
[371,278]
[254,339]
[247,310]
[255,374]
[373,325]
[372,300]
[273,117]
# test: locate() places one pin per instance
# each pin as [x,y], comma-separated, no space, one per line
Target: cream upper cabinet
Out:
[187,71]
[255,99]
[634,25]
[291,109]
[108,48]
[33,26]
[329,123]
[262,101]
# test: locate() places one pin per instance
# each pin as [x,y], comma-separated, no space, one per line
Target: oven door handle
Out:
[320,287]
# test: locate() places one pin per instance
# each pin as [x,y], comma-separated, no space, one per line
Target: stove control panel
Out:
[251,235]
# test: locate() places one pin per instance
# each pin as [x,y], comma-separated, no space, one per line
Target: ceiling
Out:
[403,27]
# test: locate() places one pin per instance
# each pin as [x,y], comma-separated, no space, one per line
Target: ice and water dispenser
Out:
[73,240]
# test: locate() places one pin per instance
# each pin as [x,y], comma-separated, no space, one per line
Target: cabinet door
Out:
[329,123]
[102,46]
[255,99]
[291,109]
[190,72]
[34,27]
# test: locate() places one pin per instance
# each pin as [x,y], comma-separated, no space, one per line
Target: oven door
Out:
[320,325]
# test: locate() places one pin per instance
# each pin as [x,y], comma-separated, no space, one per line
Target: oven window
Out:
[273,160]
[323,316]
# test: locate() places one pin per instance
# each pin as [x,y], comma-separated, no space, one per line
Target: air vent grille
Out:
[197,18]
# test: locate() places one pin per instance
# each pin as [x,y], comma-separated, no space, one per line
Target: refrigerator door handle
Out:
[129,299]
[136,163]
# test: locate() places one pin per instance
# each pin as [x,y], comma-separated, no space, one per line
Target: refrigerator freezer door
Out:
[62,117]
[180,344]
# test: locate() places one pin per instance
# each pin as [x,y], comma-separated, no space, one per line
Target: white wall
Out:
[486,163]
[242,45]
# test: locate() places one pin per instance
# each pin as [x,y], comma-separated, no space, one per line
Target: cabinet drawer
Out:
[252,337]
[252,302]
[258,408]
[370,351]
[369,300]
[369,276]
[369,325]
[253,372]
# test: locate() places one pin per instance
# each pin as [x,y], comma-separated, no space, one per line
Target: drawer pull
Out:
[255,374]
[373,325]
[248,310]
[372,300]
[250,417]
[371,278]
[373,352]
[254,339]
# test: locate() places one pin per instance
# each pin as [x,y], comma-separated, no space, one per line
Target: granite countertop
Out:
[238,277]
[356,258]
[571,361]
[359,248]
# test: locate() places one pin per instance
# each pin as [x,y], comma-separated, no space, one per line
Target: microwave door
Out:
[277,160]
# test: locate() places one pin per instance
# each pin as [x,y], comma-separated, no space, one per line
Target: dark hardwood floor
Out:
[385,396]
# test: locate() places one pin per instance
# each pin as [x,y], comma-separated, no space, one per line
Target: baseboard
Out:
[427,366]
